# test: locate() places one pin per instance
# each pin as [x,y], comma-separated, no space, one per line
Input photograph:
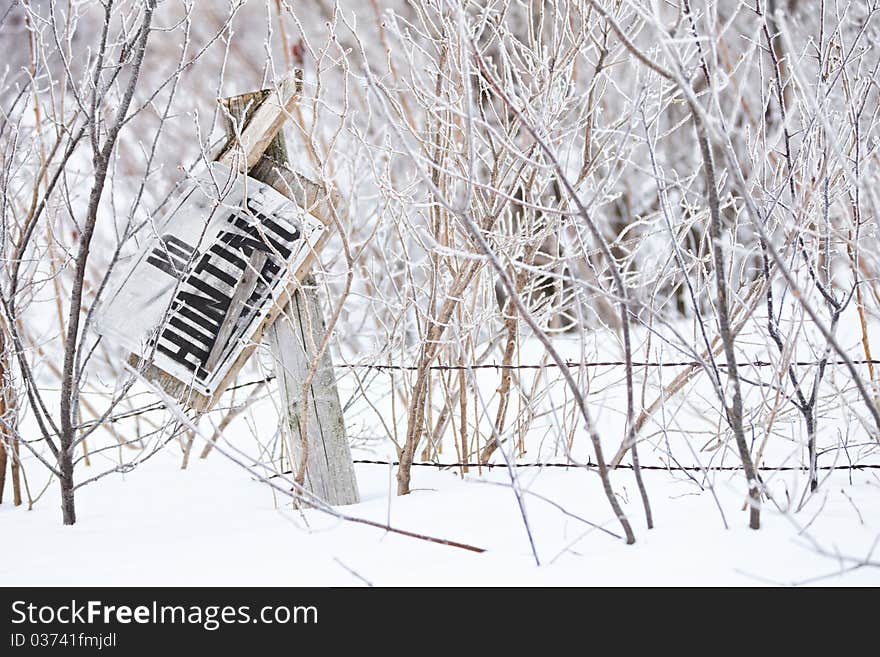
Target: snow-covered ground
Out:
[216,524]
[213,524]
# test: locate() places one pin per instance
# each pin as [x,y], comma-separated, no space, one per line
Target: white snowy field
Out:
[213,524]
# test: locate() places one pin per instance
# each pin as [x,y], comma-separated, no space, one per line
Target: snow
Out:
[216,524]
[213,524]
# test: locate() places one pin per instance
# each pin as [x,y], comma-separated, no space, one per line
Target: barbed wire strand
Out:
[159,405]
[600,363]
[622,466]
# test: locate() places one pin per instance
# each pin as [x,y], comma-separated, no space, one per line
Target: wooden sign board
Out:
[197,295]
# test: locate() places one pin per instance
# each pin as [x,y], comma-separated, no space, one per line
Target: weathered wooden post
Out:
[329,471]
[230,265]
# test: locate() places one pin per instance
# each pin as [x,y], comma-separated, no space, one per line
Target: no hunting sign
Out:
[201,288]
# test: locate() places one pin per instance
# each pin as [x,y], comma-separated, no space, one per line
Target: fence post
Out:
[329,471]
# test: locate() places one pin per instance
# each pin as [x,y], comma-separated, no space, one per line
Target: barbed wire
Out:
[160,405]
[622,466]
[600,363]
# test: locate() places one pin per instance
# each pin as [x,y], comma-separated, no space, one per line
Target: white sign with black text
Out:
[197,292]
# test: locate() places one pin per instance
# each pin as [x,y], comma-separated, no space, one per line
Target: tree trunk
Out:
[15,471]
[811,447]
[2,462]
[8,439]
[735,408]
[4,434]
[65,461]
